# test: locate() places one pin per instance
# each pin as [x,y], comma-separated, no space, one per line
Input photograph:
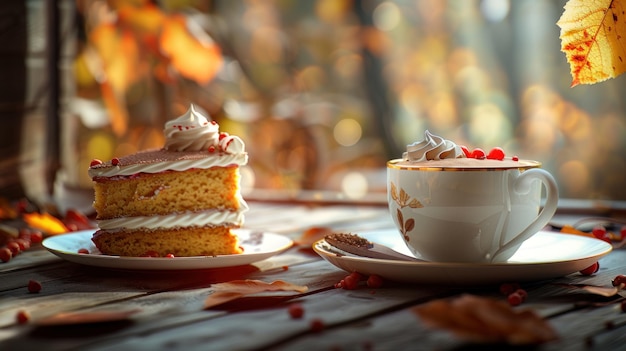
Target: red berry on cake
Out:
[115,161]
[95,162]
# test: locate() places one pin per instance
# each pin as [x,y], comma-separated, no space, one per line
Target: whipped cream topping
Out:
[433,147]
[183,164]
[191,132]
[192,141]
[187,219]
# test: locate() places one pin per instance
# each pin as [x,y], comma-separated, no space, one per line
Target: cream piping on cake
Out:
[187,219]
[223,160]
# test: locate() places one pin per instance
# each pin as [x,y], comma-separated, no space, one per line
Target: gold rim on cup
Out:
[523,165]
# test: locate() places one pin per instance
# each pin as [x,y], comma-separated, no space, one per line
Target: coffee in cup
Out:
[455,205]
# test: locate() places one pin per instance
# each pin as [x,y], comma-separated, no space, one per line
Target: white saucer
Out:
[257,246]
[546,255]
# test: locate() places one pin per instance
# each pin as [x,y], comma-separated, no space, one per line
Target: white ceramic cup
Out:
[463,214]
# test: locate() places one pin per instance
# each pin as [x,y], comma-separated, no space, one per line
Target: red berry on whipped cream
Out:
[478,153]
[95,162]
[496,154]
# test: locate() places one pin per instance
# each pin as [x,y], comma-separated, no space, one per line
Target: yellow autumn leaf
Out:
[193,54]
[593,37]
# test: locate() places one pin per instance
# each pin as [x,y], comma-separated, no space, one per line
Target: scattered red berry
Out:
[22,317]
[496,154]
[5,254]
[170,255]
[82,250]
[24,233]
[115,161]
[508,288]
[34,286]
[515,299]
[317,325]
[591,269]
[466,151]
[515,158]
[600,232]
[478,153]
[350,282]
[223,135]
[296,311]
[374,281]
[95,162]
[23,244]
[356,275]
[211,148]
[619,280]
[36,237]
[523,293]
[14,247]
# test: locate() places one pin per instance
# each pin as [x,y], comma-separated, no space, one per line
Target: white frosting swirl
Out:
[191,132]
[232,144]
[223,160]
[187,219]
[432,148]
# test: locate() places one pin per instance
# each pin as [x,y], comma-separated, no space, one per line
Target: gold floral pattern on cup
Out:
[403,199]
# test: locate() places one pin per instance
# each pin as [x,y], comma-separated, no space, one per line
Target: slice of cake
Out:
[182,200]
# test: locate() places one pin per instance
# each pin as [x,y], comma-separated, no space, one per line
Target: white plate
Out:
[256,245]
[544,256]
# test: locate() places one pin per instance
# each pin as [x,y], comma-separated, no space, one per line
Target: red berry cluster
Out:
[494,154]
[23,242]
[352,281]
[515,295]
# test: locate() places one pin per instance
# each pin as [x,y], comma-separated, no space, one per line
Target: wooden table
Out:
[170,314]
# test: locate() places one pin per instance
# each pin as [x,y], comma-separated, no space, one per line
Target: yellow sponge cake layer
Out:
[167,192]
[190,241]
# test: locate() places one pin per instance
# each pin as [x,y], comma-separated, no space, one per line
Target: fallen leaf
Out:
[45,222]
[606,291]
[228,291]
[192,53]
[485,320]
[593,37]
[88,317]
[312,235]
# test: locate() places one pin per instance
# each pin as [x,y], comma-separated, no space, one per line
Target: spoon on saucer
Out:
[359,246]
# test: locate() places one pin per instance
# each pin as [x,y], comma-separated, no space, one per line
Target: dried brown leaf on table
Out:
[486,320]
[235,289]
[312,235]
[606,291]
[593,37]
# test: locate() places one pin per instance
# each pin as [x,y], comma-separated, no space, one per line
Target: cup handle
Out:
[522,185]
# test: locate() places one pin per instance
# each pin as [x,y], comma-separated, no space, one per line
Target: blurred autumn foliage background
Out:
[325,91]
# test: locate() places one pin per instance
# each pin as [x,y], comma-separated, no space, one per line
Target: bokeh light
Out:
[354,185]
[347,132]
